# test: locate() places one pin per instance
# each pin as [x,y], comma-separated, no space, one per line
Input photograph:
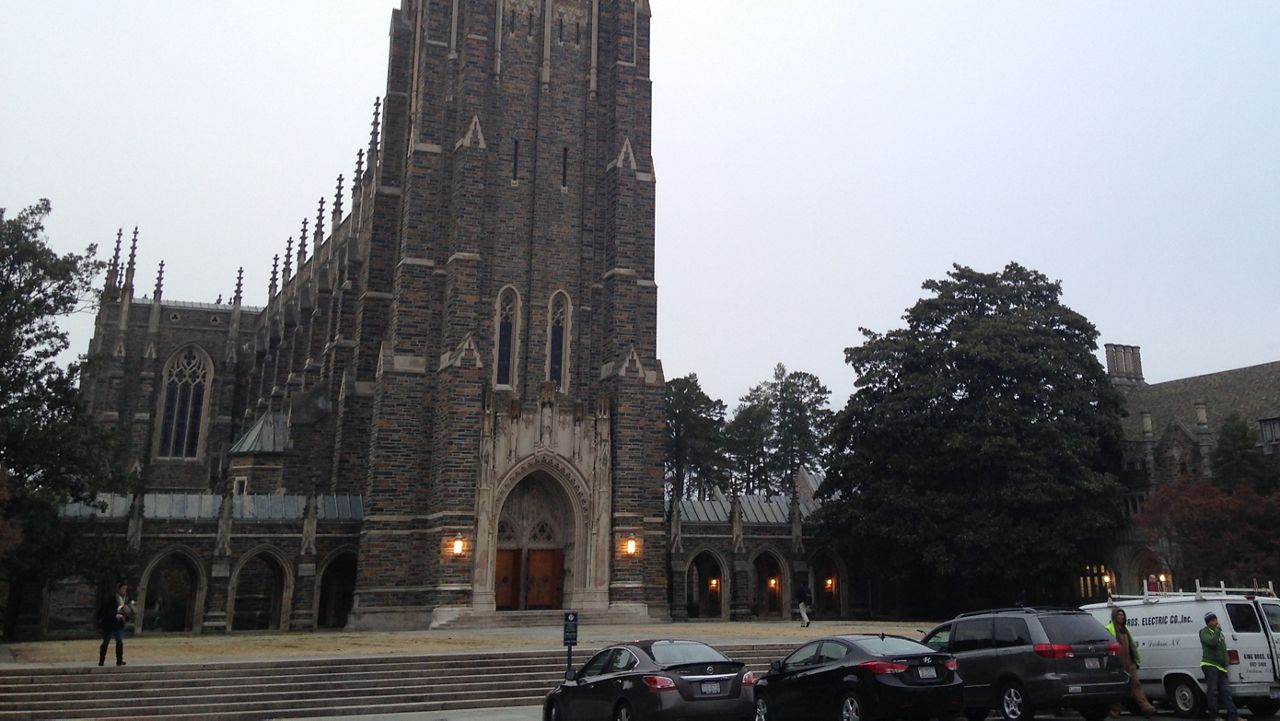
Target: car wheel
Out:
[1263,709]
[623,713]
[553,712]
[762,708]
[1187,698]
[1014,705]
[1096,713]
[976,714]
[851,708]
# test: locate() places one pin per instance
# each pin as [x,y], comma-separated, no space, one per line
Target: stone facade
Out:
[479,324]
[1170,434]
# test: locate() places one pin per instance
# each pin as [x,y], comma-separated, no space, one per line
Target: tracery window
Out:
[187,377]
[507,330]
[558,340]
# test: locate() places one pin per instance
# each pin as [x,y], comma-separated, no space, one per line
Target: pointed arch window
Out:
[558,340]
[508,328]
[187,379]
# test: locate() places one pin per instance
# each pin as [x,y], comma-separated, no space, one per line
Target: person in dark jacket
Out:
[1213,662]
[114,613]
[804,599]
[1130,658]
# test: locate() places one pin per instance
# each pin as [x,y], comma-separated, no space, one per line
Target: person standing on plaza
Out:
[114,613]
[1130,658]
[1213,661]
[804,599]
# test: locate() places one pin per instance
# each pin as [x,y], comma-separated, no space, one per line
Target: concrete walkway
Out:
[186,648]
[522,713]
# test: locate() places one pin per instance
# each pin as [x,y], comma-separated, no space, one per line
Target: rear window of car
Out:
[1073,628]
[1012,632]
[973,634]
[1243,619]
[674,653]
[891,646]
[1272,612]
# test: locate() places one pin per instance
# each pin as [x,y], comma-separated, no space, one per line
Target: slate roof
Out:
[757,510]
[268,435]
[207,507]
[1253,392]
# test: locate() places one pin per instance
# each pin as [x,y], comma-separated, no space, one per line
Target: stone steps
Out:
[296,688]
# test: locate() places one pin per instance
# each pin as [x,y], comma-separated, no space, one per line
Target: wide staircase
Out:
[300,688]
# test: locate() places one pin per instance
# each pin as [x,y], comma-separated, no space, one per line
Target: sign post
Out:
[570,635]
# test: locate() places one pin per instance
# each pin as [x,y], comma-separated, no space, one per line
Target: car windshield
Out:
[675,653]
[1272,612]
[891,646]
[1073,628]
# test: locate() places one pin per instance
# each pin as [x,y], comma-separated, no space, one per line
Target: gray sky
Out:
[816,161]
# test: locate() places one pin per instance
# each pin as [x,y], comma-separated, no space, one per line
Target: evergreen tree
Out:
[980,447]
[695,440]
[1238,459]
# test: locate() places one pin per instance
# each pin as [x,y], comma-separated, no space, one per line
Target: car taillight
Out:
[1234,657]
[1113,649]
[952,665]
[880,668]
[1054,651]
[748,679]
[659,683]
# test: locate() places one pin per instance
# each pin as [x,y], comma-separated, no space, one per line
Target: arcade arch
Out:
[706,586]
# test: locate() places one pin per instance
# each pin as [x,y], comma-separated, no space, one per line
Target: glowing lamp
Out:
[1106,579]
[714,583]
[831,584]
[773,583]
[458,545]
[1163,578]
[631,546]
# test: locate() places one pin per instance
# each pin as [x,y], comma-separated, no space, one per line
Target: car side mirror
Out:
[775,666]
[571,675]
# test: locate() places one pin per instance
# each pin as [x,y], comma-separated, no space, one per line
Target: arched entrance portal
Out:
[172,587]
[259,595]
[827,586]
[337,591]
[704,587]
[769,587]
[535,546]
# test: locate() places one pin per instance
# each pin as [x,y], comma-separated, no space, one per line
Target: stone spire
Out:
[132,266]
[233,328]
[355,180]
[288,262]
[302,253]
[319,236]
[337,204]
[239,296]
[159,291]
[275,271]
[113,270]
[373,132]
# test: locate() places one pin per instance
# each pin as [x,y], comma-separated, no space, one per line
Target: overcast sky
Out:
[816,160]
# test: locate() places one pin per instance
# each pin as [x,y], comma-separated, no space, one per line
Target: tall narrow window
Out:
[507,318]
[515,160]
[561,30]
[187,376]
[558,340]
[564,168]
[577,32]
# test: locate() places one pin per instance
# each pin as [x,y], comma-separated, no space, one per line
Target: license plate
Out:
[927,672]
[1093,663]
[710,689]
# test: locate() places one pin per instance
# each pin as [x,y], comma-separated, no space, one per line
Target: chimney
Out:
[1124,364]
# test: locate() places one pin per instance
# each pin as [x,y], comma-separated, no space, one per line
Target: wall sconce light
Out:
[714,584]
[458,545]
[831,584]
[1106,579]
[1163,578]
[631,546]
[773,584]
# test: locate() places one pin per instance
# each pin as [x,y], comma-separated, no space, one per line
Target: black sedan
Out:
[655,681]
[851,678]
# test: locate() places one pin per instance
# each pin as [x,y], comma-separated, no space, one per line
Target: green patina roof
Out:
[268,435]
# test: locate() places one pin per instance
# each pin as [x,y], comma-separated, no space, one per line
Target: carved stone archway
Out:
[199,592]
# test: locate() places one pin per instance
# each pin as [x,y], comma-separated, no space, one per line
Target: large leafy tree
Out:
[695,445]
[1238,459]
[50,453]
[980,447]
[1212,534]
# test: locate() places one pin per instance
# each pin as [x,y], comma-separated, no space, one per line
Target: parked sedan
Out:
[655,681]
[850,678]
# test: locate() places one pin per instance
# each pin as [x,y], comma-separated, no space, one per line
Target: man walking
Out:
[1213,661]
[115,612]
[804,599]
[1130,658]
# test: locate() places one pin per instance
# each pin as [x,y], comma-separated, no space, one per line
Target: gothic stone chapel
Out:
[451,406]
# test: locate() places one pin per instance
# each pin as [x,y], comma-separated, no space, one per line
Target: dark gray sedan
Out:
[655,680]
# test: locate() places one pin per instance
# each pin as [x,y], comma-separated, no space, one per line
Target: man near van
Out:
[1213,660]
[1130,658]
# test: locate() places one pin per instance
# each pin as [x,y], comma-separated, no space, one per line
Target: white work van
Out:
[1166,627]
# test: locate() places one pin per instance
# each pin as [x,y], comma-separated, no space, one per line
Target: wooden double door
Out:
[529,579]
